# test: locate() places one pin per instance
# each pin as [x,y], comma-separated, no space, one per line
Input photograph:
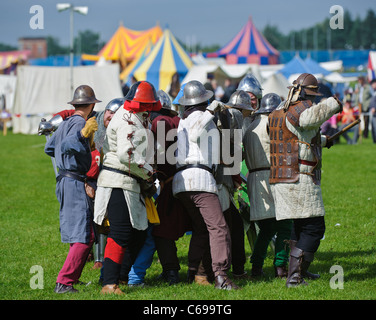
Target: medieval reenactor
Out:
[295,173]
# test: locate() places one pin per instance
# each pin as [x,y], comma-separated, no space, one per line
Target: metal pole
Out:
[71,49]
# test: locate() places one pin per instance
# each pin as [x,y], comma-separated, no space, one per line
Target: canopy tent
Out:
[297,66]
[166,58]
[371,67]
[315,67]
[44,91]
[129,69]
[248,46]
[126,45]
[276,83]
[222,72]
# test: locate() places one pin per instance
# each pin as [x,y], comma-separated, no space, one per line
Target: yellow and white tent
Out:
[166,58]
[126,45]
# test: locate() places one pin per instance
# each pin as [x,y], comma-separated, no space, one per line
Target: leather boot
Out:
[307,259]
[202,280]
[294,277]
[223,282]
[111,289]
[280,272]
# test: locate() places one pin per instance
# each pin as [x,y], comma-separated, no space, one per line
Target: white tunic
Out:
[198,142]
[303,199]
[128,147]
[256,144]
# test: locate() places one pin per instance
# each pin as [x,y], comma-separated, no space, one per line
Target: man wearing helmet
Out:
[295,173]
[70,146]
[194,183]
[256,144]
[125,169]
[252,86]
[103,119]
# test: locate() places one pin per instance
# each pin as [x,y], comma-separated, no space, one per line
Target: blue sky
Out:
[193,21]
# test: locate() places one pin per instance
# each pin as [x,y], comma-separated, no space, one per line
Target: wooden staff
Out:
[348,127]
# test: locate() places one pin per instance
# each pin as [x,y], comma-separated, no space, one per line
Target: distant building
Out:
[37,46]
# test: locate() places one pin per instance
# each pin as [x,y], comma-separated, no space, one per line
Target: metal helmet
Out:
[84,95]
[249,83]
[142,91]
[269,103]
[195,93]
[309,83]
[115,104]
[165,101]
[240,100]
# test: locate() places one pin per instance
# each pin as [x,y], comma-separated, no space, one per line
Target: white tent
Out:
[276,83]
[43,91]
[235,72]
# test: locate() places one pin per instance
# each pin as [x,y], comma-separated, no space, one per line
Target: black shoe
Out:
[62,288]
[172,277]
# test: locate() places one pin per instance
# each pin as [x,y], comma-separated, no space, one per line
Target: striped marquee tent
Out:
[126,45]
[166,58]
[248,46]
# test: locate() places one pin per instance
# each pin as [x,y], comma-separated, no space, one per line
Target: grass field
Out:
[29,234]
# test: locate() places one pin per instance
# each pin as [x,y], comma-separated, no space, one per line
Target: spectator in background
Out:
[363,97]
[229,90]
[346,117]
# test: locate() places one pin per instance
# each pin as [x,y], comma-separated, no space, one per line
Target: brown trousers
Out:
[210,232]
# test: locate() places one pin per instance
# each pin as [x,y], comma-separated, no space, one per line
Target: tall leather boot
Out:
[308,258]
[294,277]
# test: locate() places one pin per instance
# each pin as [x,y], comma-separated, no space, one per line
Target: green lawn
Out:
[29,234]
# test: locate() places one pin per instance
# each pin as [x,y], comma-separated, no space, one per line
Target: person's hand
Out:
[90,127]
[215,106]
[329,143]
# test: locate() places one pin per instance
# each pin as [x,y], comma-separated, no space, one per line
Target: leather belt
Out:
[307,163]
[70,174]
[122,172]
[197,165]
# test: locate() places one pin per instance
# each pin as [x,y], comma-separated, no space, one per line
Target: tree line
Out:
[357,33]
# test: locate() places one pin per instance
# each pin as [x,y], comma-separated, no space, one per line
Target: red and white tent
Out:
[248,46]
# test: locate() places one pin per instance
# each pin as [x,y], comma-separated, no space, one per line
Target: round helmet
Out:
[240,100]
[250,84]
[309,83]
[115,104]
[165,101]
[195,93]
[83,95]
[143,92]
[269,103]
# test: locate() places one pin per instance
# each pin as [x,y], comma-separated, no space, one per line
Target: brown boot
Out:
[223,282]
[280,272]
[307,259]
[294,277]
[111,289]
[202,280]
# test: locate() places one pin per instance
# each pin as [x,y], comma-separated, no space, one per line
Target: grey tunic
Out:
[72,153]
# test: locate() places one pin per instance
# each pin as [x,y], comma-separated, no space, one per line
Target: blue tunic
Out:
[72,153]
